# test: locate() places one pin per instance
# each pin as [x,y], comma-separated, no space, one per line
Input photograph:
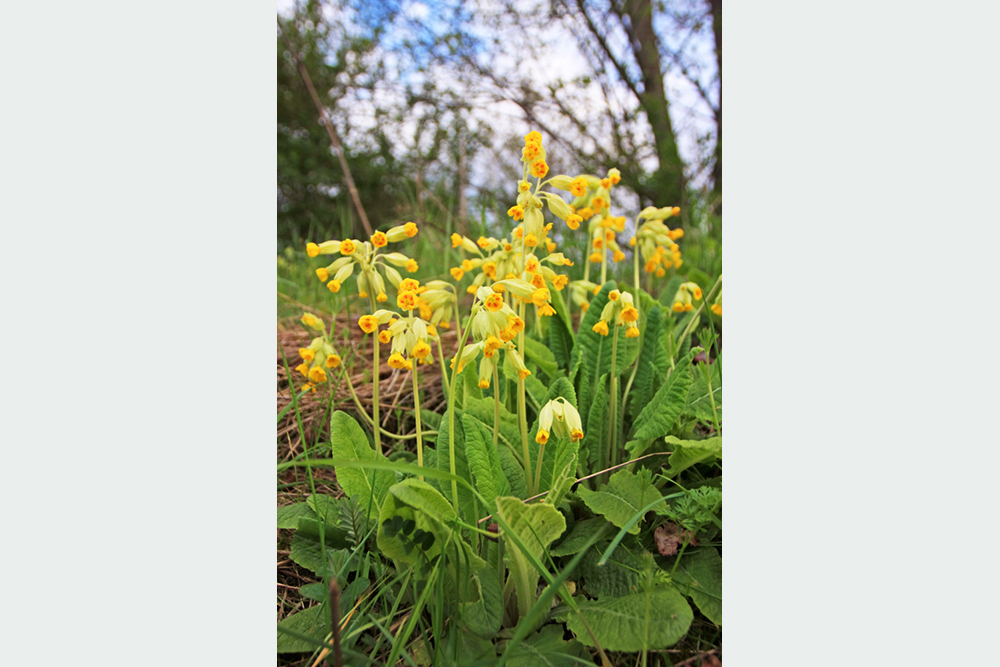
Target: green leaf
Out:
[562,315]
[595,434]
[669,290]
[595,349]
[484,460]
[483,615]
[560,340]
[653,363]
[624,495]
[559,460]
[422,496]
[535,391]
[466,387]
[686,453]
[646,620]
[288,516]
[577,537]
[307,552]
[699,576]
[619,576]
[483,410]
[536,526]
[542,356]
[513,470]
[699,402]
[312,622]
[659,415]
[443,460]
[547,648]
[349,441]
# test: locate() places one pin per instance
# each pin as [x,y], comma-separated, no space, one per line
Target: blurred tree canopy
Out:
[431,100]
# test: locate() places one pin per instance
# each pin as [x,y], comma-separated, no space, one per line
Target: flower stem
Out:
[451,416]
[522,414]
[613,432]
[416,414]
[376,426]
[496,405]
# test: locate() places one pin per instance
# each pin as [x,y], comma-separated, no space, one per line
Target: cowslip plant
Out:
[507,522]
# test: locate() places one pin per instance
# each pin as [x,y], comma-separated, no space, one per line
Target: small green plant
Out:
[560,453]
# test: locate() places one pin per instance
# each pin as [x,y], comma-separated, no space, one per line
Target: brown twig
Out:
[328,124]
[690,660]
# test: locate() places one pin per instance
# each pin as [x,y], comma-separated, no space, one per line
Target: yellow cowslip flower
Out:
[457,272]
[661,272]
[559,282]
[332,360]
[396,360]
[614,295]
[385,336]
[421,350]
[531,264]
[632,332]
[651,265]
[467,265]
[717,308]
[307,354]
[595,257]
[412,266]
[678,307]
[533,137]
[382,297]
[550,246]
[494,302]
[617,256]
[456,240]
[322,274]
[573,221]
[614,176]
[542,437]
[491,345]
[379,240]
[516,324]
[539,169]
[407,300]
[531,152]
[602,328]
[537,280]
[598,203]
[516,212]
[408,285]
[598,243]
[303,368]
[347,247]
[490,269]
[523,186]
[317,375]
[584,305]
[630,314]
[518,232]
[432,330]
[546,310]
[400,232]
[312,322]
[368,323]
[606,183]
[578,186]
[586,213]
[309,386]
[333,286]
[530,240]
[312,249]
[540,297]
[483,242]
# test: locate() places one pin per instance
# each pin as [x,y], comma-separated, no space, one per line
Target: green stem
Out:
[444,369]
[538,467]
[496,405]
[451,416]
[416,414]
[604,260]
[612,440]
[376,426]
[522,414]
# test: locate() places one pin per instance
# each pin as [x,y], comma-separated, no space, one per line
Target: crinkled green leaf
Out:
[645,620]
[349,441]
[577,537]
[660,414]
[700,399]
[686,453]
[595,433]
[484,460]
[288,516]
[624,495]
[619,576]
[653,363]
[307,552]
[541,355]
[699,576]
[547,648]
[313,622]
[537,526]
[483,614]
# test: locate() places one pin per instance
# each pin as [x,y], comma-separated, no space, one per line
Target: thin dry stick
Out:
[690,660]
[334,139]
[600,472]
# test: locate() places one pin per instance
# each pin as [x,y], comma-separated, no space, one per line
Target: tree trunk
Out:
[717,169]
[668,182]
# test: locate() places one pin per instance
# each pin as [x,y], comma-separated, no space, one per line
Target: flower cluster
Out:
[656,241]
[620,309]
[560,416]
[717,305]
[682,299]
[364,256]
[318,357]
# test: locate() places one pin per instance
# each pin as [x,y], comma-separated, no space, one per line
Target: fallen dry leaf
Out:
[669,539]
[711,661]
